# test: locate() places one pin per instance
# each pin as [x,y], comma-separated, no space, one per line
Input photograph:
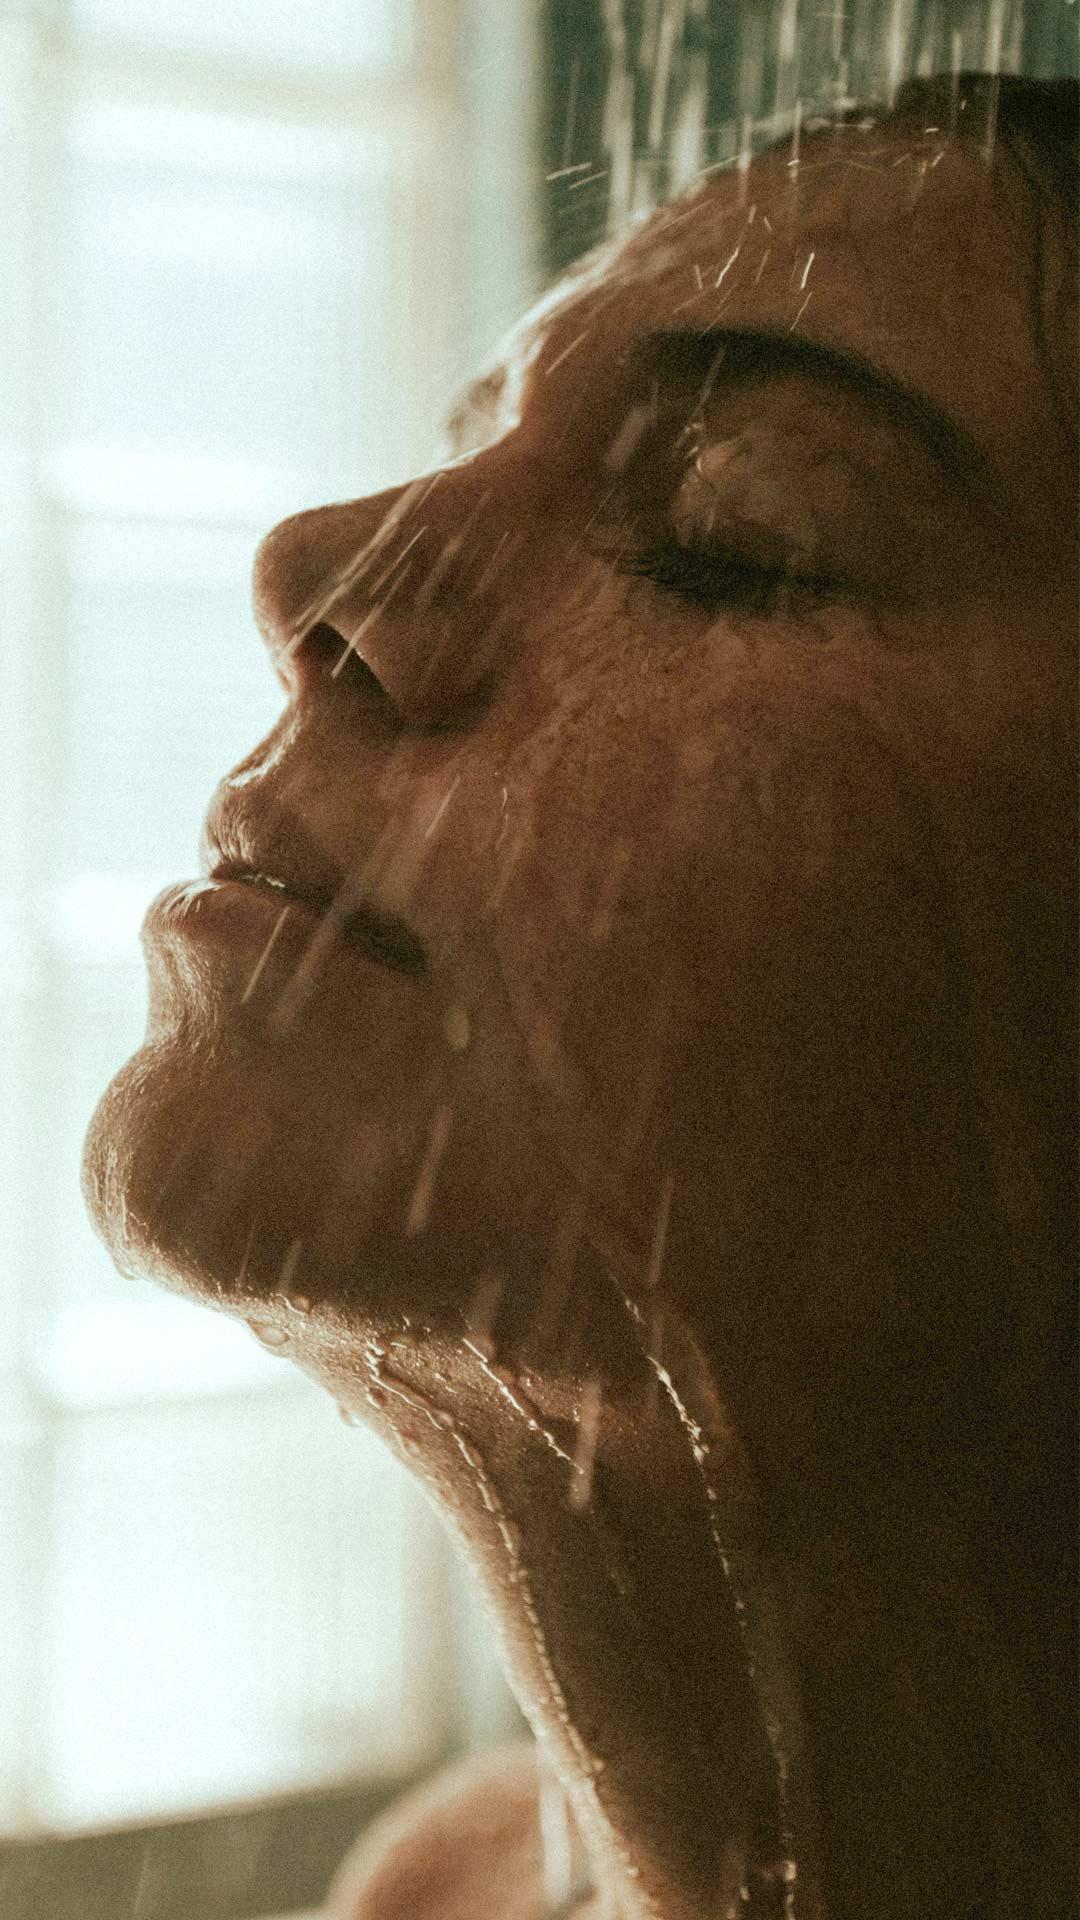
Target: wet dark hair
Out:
[1037,122]
[1033,126]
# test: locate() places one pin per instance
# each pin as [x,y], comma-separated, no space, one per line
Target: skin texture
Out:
[734,1101]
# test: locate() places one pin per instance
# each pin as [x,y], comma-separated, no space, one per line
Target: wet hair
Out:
[1033,126]
[1037,122]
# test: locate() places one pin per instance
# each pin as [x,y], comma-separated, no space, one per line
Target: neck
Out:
[616,1541]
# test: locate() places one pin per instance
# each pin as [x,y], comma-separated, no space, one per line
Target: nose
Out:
[405,588]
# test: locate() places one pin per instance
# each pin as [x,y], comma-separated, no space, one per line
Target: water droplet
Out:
[273,1338]
[348,1416]
[456,1028]
[298,1302]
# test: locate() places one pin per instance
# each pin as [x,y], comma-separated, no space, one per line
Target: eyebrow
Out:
[736,356]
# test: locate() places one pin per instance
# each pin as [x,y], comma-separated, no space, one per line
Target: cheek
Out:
[586,933]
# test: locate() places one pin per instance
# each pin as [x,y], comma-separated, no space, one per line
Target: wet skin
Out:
[734,1031]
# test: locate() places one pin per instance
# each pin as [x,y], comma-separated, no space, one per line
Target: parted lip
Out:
[380,936]
[276,855]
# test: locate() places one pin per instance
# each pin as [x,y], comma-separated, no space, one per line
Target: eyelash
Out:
[715,581]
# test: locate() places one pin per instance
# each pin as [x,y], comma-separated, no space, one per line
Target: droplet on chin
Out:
[275,1339]
[348,1416]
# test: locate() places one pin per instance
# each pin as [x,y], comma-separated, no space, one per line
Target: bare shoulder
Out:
[468,1844]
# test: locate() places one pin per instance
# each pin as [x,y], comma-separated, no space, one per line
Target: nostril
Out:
[324,655]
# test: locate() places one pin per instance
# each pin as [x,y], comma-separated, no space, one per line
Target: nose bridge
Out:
[408,578]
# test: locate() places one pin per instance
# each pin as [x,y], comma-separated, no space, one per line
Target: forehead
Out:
[904,250]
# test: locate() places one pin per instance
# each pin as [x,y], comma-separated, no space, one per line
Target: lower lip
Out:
[276,946]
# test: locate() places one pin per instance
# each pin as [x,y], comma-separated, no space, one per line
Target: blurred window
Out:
[239,278]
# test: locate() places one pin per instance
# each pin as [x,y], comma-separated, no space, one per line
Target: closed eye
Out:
[716,580]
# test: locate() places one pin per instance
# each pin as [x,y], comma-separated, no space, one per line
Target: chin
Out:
[229,1170]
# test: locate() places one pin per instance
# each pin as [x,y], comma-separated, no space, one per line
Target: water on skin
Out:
[275,1339]
[386,1385]
[785,1871]
[514,1394]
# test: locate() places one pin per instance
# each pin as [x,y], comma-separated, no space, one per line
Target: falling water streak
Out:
[442,806]
[450,550]
[266,952]
[423,1192]
[699,1448]
[288,1274]
[896,48]
[806,271]
[395,563]
[456,1028]
[618,128]
[728,264]
[370,620]
[661,76]
[956,64]
[995,28]
[660,1231]
[801,311]
[686,141]
[497,560]
[516,849]
[299,989]
[324,602]
[796,142]
[762,263]
[585,1451]
[248,1243]
[746,138]
[571,115]
[566,352]
[482,1310]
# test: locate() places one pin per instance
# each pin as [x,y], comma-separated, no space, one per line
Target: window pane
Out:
[168,686]
[335,37]
[226,1605]
[221,279]
[82,1024]
[21,1460]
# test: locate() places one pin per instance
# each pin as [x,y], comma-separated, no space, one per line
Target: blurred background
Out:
[250,250]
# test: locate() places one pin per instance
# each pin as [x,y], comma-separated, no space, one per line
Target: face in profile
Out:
[620,935]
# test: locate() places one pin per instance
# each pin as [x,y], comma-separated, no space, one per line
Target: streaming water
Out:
[515,1395]
[657,94]
[682,87]
[684,1378]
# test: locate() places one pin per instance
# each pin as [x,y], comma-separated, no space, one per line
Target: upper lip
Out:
[281,856]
